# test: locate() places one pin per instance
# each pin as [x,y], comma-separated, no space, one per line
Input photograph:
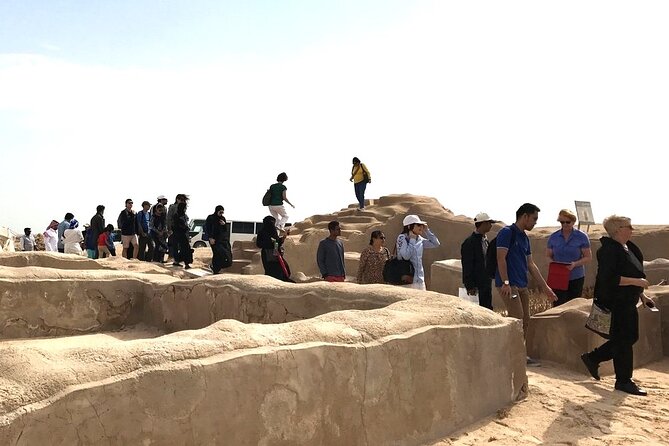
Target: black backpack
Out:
[267,198]
[491,254]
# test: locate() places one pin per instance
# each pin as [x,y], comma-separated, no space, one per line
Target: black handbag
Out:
[398,271]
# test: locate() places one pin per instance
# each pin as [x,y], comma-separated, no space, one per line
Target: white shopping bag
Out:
[462,294]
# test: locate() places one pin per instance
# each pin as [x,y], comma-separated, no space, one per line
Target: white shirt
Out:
[71,240]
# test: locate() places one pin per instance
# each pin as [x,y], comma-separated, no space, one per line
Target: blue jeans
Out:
[360,193]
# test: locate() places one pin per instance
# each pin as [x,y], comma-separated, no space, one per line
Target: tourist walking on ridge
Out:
[373,258]
[158,232]
[619,285]
[145,242]
[216,228]
[72,238]
[277,197]
[97,227]
[570,249]
[182,249]
[473,254]
[360,176]
[27,240]
[51,237]
[271,250]
[514,260]
[330,255]
[415,237]
[127,223]
[62,226]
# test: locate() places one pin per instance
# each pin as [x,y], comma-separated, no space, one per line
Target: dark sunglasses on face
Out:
[564,222]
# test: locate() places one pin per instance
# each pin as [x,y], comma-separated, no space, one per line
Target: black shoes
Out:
[631,388]
[592,366]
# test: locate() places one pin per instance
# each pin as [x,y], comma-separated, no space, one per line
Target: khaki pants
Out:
[103,252]
[518,307]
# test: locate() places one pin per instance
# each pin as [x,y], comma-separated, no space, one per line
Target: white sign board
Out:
[584,213]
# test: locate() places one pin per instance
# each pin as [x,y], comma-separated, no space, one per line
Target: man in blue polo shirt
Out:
[514,260]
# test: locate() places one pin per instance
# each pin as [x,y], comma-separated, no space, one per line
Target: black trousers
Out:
[182,249]
[221,256]
[624,333]
[145,248]
[485,293]
[574,290]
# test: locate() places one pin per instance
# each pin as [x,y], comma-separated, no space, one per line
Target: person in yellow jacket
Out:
[360,176]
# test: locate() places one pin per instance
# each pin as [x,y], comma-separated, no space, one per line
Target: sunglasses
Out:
[567,222]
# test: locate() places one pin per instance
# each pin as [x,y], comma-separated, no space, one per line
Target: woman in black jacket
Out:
[619,285]
[271,250]
[182,249]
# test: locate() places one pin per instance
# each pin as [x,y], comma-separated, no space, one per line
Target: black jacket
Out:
[473,262]
[214,229]
[614,262]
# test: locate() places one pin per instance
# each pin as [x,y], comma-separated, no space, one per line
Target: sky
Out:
[483,105]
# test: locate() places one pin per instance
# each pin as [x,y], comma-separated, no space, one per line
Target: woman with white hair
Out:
[619,285]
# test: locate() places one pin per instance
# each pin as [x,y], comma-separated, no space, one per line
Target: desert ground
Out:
[567,408]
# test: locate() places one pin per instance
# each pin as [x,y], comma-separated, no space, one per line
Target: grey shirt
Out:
[62,226]
[330,257]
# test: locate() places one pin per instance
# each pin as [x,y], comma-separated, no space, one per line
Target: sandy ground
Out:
[568,408]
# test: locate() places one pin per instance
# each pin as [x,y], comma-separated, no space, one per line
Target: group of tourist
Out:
[619,284]
[146,235]
[154,231]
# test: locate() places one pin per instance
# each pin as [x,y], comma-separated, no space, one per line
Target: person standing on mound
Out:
[360,176]
[415,237]
[330,255]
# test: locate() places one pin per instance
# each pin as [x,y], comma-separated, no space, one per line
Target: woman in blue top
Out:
[571,246]
[410,244]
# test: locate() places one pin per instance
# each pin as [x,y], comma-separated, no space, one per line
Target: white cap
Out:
[482,216]
[411,219]
[161,197]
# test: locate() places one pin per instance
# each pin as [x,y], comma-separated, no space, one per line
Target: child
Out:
[106,243]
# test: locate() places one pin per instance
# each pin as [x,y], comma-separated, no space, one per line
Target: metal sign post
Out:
[584,214]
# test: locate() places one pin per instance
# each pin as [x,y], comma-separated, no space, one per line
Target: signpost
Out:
[584,214]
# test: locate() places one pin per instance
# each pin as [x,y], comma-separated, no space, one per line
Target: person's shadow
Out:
[580,419]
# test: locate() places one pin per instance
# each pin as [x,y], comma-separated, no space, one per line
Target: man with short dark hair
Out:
[514,260]
[62,226]
[473,254]
[127,223]
[97,227]
[27,240]
[330,255]
[145,240]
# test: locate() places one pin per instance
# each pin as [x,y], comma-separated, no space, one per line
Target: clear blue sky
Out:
[483,105]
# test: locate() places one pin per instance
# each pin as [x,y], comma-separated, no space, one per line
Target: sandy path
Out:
[566,408]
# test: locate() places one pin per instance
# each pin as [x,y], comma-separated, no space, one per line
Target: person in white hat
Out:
[415,237]
[473,254]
